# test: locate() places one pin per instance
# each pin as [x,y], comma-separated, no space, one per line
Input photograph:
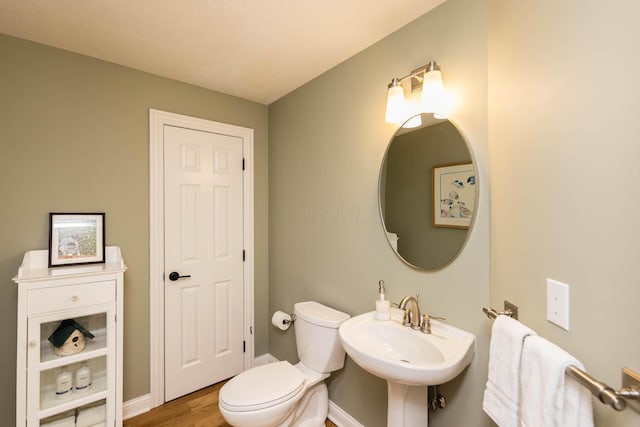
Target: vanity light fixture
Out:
[433,98]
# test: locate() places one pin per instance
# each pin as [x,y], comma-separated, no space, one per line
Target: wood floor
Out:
[198,409]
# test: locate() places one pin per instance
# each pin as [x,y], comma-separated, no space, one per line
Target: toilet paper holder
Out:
[287,321]
[282,320]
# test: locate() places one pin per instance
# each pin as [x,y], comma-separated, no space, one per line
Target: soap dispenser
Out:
[383,306]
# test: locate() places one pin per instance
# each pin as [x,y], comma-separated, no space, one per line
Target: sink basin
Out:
[403,355]
[408,359]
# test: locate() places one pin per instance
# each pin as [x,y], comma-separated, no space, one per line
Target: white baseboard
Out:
[136,406]
[340,418]
[142,404]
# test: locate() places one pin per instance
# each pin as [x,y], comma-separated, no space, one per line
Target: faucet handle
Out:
[425,324]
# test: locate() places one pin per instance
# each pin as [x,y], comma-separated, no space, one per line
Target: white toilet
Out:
[281,394]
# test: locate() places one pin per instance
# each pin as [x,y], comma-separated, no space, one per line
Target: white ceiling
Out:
[254,49]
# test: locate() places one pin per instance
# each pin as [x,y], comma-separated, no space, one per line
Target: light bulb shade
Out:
[433,98]
[396,106]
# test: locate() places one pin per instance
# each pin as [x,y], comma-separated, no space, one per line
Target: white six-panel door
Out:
[203,212]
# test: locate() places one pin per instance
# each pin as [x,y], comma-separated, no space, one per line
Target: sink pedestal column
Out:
[407,405]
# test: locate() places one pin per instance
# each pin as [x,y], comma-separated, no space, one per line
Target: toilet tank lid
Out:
[319,314]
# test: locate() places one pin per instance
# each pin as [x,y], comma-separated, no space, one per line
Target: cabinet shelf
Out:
[51,405]
[96,347]
[50,402]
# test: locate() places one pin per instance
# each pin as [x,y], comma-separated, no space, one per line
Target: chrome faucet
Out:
[411,316]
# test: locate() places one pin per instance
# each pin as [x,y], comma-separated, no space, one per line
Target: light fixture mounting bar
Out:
[417,74]
[417,77]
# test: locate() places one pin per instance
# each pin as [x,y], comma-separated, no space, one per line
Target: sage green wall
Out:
[564,147]
[74,137]
[326,241]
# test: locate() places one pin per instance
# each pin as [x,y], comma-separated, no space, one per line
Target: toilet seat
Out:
[262,387]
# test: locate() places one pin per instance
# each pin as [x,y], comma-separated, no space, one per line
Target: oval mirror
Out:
[427,192]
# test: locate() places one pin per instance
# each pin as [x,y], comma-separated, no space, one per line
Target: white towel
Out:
[501,395]
[64,422]
[549,397]
[91,416]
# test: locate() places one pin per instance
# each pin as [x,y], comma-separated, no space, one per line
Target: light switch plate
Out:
[558,303]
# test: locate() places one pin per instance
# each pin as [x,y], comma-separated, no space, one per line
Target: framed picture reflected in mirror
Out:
[454,195]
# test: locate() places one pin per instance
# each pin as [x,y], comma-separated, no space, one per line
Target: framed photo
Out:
[76,238]
[454,195]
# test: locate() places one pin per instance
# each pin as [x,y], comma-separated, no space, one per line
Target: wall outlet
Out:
[558,303]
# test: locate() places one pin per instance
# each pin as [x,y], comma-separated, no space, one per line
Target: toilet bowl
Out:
[282,394]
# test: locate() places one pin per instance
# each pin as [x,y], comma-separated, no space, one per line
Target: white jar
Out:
[64,384]
[83,379]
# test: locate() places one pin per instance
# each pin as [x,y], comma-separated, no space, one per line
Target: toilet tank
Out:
[316,329]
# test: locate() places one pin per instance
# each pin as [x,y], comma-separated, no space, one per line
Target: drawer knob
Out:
[75,298]
[33,343]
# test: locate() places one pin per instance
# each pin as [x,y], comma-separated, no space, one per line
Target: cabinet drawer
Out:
[70,296]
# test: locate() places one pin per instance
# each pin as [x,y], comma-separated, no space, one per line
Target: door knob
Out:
[174,275]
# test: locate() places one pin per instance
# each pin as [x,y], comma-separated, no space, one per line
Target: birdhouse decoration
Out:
[69,338]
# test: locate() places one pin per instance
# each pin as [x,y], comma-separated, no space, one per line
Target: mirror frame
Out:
[474,161]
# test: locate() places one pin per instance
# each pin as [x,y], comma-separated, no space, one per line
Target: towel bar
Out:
[602,391]
[617,399]
[492,313]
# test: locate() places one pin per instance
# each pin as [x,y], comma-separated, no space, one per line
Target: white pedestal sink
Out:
[408,359]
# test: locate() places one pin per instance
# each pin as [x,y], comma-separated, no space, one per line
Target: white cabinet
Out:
[91,296]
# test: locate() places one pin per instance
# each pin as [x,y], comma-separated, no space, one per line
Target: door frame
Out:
[157,120]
